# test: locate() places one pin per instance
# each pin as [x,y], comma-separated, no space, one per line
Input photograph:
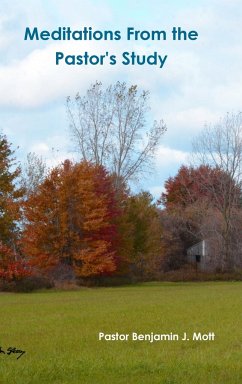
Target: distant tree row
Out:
[204,201]
[81,216]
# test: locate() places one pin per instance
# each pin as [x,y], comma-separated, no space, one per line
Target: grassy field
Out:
[59,332]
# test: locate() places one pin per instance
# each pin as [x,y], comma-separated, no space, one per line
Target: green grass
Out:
[59,332]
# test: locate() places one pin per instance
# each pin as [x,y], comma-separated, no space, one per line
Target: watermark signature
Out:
[12,350]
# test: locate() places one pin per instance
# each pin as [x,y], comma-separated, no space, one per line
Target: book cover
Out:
[120,192]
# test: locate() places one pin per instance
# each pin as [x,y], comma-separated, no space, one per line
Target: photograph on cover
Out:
[120,192]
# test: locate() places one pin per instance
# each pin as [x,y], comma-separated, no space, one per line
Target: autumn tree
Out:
[220,147]
[191,184]
[13,266]
[193,200]
[10,194]
[109,128]
[70,219]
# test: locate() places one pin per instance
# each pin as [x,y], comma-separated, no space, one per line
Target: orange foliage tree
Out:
[70,219]
[12,265]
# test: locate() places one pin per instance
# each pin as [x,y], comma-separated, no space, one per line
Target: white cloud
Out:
[199,83]
[53,151]
[40,148]
[196,75]
[168,156]
[36,80]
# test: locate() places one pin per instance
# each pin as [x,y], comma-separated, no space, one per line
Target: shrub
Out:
[32,283]
[190,274]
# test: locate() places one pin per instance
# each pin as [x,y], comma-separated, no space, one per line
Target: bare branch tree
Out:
[34,172]
[108,128]
[220,147]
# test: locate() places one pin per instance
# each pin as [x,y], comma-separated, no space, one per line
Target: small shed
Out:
[198,254]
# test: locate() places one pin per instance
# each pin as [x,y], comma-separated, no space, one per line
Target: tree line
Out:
[81,216]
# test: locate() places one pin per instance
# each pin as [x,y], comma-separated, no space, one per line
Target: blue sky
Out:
[200,82]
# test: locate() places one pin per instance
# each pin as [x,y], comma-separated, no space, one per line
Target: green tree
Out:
[140,229]
[10,194]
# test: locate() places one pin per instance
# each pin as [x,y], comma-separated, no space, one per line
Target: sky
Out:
[200,82]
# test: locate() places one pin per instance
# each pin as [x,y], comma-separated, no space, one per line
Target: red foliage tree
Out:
[12,266]
[70,219]
[193,184]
